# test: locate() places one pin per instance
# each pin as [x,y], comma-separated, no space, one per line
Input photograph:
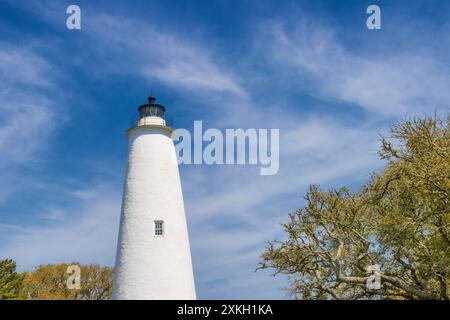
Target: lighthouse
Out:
[153,258]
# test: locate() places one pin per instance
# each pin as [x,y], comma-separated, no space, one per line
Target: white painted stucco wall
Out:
[149,266]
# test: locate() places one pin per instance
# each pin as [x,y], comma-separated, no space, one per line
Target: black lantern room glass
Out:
[151,109]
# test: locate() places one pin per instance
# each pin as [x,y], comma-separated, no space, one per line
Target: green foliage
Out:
[10,281]
[49,282]
[399,220]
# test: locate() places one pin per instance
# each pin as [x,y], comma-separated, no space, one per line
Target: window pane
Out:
[159,230]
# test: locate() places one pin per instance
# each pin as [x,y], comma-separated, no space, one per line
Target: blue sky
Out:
[309,68]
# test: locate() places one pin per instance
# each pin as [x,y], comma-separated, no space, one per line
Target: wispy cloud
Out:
[161,56]
[27,116]
[85,232]
[391,83]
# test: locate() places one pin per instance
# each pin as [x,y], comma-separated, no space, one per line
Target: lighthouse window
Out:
[159,228]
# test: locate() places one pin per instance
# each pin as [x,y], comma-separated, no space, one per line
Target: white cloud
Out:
[86,232]
[161,56]
[22,66]
[26,116]
[138,47]
[391,83]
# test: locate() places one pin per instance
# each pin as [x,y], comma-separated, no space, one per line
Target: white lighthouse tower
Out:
[153,255]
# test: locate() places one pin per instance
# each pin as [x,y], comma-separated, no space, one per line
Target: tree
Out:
[398,222]
[49,282]
[10,281]
[96,282]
